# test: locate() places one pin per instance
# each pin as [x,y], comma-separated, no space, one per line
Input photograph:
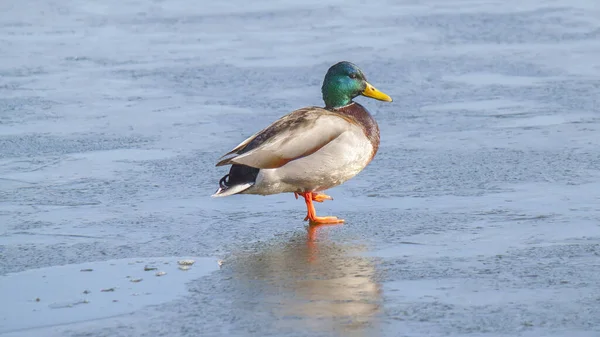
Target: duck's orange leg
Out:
[312,215]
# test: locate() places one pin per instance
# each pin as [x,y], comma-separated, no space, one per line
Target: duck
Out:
[312,149]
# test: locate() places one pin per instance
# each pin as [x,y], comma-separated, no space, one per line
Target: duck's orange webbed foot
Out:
[311,216]
[318,197]
[324,220]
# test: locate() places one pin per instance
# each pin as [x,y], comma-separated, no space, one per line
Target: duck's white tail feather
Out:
[229,190]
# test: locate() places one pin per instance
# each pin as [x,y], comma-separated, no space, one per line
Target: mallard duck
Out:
[311,149]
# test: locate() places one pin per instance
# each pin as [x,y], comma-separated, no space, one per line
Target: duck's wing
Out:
[296,135]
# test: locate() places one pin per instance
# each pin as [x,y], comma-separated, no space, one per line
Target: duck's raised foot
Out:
[311,215]
[318,197]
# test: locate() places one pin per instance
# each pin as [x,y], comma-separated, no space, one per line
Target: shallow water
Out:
[478,216]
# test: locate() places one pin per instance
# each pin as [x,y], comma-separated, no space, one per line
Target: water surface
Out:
[478,216]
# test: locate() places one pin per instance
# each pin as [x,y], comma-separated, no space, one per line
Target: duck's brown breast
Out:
[357,114]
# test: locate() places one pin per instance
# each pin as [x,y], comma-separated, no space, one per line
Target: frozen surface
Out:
[91,291]
[480,215]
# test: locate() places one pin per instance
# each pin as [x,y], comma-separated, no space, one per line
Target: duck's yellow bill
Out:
[370,91]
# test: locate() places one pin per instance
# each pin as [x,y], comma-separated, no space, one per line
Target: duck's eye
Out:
[352,76]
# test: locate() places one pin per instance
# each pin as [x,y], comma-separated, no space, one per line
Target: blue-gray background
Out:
[479,216]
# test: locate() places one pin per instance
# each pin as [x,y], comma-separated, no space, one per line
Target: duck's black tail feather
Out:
[239,179]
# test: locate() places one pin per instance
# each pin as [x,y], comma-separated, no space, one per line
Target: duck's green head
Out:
[343,82]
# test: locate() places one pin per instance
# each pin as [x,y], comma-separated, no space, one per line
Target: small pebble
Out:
[37,299]
[86,291]
[88,269]
[220,262]
[160,273]
[107,290]
[146,268]
[186,262]
[136,280]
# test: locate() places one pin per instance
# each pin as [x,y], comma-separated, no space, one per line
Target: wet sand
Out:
[479,216]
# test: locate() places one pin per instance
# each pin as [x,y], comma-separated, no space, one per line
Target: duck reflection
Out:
[310,281]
